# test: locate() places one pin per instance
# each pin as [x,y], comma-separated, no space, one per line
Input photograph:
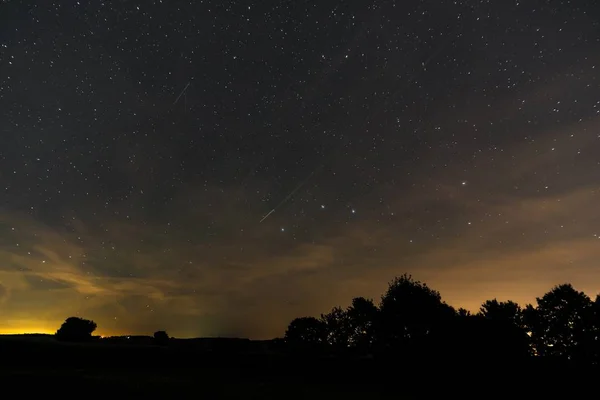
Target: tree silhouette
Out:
[477,339]
[337,327]
[306,332]
[161,338]
[76,329]
[562,323]
[505,333]
[462,312]
[363,316]
[412,320]
[505,311]
[410,310]
[593,336]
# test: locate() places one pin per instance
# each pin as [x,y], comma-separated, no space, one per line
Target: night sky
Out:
[145,144]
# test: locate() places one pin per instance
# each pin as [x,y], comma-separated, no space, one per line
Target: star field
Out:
[219,167]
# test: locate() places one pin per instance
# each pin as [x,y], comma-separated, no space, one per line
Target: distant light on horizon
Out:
[17,331]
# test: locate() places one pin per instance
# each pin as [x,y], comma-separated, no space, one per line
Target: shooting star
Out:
[289,196]
[267,216]
[181,94]
[437,52]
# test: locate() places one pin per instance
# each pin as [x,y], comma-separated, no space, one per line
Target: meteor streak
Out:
[289,196]
[181,94]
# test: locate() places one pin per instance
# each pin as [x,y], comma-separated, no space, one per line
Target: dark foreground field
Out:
[179,383]
[98,370]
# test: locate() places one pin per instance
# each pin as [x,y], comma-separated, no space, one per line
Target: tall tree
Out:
[306,332]
[562,323]
[502,311]
[593,342]
[337,326]
[362,315]
[502,329]
[463,312]
[410,310]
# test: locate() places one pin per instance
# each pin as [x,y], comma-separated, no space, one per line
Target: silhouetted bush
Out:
[306,334]
[76,329]
[161,338]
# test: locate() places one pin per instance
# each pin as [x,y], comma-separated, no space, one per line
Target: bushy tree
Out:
[306,332]
[462,312]
[161,338]
[76,329]
[410,310]
[561,324]
[505,311]
[593,341]
[505,333]
[474,338]
[363,315]
[337,328]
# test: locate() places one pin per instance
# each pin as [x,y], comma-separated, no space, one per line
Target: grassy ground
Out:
[44,367]
[200,383]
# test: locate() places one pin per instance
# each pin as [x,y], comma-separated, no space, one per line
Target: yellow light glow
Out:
[26,331]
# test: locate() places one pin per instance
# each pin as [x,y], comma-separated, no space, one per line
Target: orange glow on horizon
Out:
[43,331]
[26,331]
[49,328]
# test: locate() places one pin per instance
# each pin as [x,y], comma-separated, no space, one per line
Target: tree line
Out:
[412,319]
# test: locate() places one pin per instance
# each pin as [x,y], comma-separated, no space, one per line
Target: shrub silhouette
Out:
[76,329]
[306,333]
[161,338]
